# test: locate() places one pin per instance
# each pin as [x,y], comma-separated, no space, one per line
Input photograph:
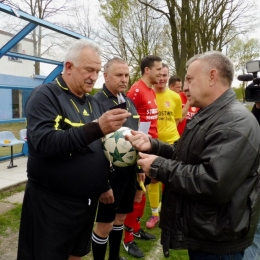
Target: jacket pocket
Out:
[200,220]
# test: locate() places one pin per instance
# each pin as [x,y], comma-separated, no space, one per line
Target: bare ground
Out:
[8,249]
[8,246]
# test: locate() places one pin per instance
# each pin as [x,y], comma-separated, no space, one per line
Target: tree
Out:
[201,25]
[43,9]
[240,94]
[80,19]
[240,52]
[131,32]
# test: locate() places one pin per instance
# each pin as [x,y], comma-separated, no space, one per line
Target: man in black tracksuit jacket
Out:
[67,169]
[118,200]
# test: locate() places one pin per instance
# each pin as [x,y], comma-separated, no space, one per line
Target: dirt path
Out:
[9,242]
[8,246]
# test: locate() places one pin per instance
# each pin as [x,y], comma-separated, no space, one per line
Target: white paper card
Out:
[144,127]
[120,98]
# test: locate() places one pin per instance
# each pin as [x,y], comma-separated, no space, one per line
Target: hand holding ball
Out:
[117,150]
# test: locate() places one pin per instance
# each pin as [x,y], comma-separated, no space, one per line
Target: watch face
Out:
[153,171]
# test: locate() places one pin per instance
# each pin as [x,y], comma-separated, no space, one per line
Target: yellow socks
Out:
[153,193]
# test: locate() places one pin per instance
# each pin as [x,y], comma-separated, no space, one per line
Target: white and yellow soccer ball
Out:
[117,150]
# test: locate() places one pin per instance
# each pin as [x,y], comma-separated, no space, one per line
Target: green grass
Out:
[15,128]
[11,191]
[10,221]
[148,246]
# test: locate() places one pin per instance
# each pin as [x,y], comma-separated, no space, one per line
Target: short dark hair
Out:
[173,80]
[164,65]
[148,61]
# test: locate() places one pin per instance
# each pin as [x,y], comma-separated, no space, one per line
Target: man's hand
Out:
[138,195]
[257,105]
[146,161]
[112,120]
[107,197]
[139,141]
[140,180]
[140,177]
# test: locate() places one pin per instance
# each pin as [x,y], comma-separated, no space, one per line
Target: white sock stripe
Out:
[118,228]
[100,241]
[155,210]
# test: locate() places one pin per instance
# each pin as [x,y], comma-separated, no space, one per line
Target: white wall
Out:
[23,68]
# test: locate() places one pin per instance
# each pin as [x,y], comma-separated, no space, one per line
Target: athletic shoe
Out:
[133,249]
[152,221]
[144,235]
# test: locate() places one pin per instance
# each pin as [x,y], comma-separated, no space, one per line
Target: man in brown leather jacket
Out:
[211,200]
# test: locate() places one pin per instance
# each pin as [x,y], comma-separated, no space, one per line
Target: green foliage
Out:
[114,10]
[131,32]
[94,91]
[240,93]
[243,50]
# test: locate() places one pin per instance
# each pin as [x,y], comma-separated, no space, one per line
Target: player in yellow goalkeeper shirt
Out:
[169,114]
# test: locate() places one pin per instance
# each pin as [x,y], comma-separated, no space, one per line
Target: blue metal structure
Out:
[33,23]
[5,50]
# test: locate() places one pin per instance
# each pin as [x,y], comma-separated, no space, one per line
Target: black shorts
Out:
[123,185]
[54,227]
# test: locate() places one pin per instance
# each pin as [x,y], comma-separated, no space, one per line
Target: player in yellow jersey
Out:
[169,113]
[169,109]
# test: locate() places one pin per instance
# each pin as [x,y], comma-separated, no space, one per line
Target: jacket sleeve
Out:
[43,115]
[162,149]
[227,159]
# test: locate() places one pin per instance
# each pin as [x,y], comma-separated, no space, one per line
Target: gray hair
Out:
[112,61]
[74,51]
[219,61]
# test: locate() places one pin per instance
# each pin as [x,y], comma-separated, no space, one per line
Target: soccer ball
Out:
[117,150]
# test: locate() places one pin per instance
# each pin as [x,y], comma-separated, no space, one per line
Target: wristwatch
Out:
[153,171]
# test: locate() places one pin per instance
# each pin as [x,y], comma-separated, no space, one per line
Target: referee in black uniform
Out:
[67,169]
[118,200]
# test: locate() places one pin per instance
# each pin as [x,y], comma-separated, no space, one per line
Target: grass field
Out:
[11,219]
[15,128]
[9,222]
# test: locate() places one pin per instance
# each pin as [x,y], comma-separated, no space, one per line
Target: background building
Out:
[16,72]
[15,66]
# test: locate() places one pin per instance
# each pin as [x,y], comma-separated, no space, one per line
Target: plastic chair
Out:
[23,137]
[7,138]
